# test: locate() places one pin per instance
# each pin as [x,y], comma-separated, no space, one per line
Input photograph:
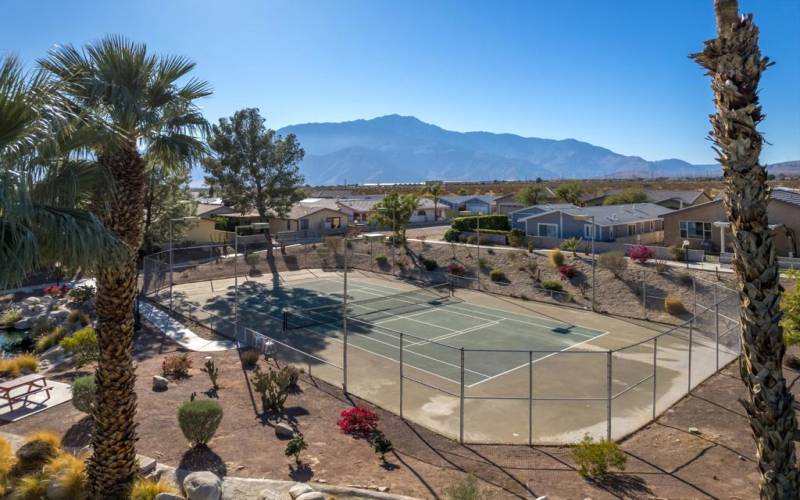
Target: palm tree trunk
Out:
[735,64]
[113,466]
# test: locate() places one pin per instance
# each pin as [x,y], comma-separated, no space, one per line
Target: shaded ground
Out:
[664,460]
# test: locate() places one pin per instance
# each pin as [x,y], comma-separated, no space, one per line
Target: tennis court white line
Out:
[454,333]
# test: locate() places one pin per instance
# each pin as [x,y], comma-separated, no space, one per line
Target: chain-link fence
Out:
[685,329]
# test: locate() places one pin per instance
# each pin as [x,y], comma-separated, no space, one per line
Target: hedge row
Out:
[487,222]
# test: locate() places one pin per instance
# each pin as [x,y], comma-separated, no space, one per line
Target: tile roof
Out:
[609,215]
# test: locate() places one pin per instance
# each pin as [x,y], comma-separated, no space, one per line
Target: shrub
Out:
[41,327]
[594,458]
[472,240]
[382,445]
[211,369]
[401,263]
[661,267]
[685,279]
[295,446]
[466,489]
[359,421]
[78,316]
[557,258]
[9,368]
[251,259]
[199,420]
[677,253]
[32,487]
[381,260]
[47,341]
[148,489]
[483,263]
[176,366]
[7,459]
[674,306]
[11,316]
[428,264]
[451,235]
[552,285]
[640,254]
[27,362]
[38,449]
[516,238]
[66,474]
[82,346]
[614,262]
[55,290]
[83,391]
[273,387]
[567,271]
[570,245]
[82,293]
[530,247]
[456,269]
[497,275]
[250,359]
[498,222]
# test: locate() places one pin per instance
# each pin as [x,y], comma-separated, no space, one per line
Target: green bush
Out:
[82,293]
[497,275]
[33,456]
[252,260]
[11,316]
[41,326]
[570,245]
[673,305]
[488,222]
[451,235]
[516,238]
[78,316]
[594,458]
[176,366]
[83,390]
[466,489]
[382,445]
[295,446]
[381,260]
[82,346]
[557,258]
[614,262]
[199,420]
[428,264]
[483,263]
[552,285]
[273,387]
[677,253]
[250,359]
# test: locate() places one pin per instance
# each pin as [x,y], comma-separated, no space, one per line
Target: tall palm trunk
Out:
[113,465]
[735,64]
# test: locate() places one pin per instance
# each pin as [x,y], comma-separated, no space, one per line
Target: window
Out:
[421,213]
[304,224]
[334,222]
[549,230]
[695,230]
[587,231]
[631,229]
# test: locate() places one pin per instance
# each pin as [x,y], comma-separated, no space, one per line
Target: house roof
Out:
[687,196]
[485,198]
[211,209]
[543,207]
[611,215]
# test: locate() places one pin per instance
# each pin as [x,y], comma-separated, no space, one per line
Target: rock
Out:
[146,464]
[299,489]
[284,430]
[383,489]
[311,495]
[160,383]
[31,301]
[202,485]
[168,496]
[695,431]
[543,497]
[23,324]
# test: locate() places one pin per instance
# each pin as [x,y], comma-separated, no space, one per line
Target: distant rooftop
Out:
[609,215]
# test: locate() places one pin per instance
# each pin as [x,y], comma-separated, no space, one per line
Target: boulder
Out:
[31,301]
[284,430]
[23,324]
[202,485]
[168,496]
[311,495]
[299,489]
[160,383]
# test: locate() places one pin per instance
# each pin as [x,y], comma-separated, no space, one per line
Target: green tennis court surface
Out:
[433,326]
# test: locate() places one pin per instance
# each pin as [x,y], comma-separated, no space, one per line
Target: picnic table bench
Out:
[29,385]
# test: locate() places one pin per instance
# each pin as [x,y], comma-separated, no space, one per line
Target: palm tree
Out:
[42,190]
[734,63]
[435,191]
[135,113]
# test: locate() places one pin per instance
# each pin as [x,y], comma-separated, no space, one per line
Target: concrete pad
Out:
[180,334]
[60,393]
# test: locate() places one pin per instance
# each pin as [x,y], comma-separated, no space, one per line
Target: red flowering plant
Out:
[455,269]
[567,271]
[640,254]
[359,421]
[56,290]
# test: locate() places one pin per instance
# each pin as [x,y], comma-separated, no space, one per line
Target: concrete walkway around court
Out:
[180,334]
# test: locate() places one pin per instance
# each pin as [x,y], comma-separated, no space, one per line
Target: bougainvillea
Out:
[359,421]
[566,271]
[55,290]
[455,269]
[640,254]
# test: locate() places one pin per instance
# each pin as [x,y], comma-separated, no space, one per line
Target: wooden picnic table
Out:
[30,385]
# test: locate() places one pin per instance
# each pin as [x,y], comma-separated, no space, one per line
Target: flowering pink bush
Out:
[56,290]
[455,269]
[359,421]
[640,254]
[567,271]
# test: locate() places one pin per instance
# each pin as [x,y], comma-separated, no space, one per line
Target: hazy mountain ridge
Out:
[397,148]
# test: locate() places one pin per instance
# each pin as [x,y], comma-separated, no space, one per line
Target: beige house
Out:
[668,198]
[706,226]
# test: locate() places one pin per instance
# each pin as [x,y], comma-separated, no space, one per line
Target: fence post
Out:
[609,362]
[401,375]
[461,403]
[691,332]
[344,319]
[530,398]
[716,326]
[644,295]
[694,298]
[655,373]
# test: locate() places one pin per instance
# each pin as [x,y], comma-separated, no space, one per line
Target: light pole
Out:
[594,259]
[255,226]
[190,218]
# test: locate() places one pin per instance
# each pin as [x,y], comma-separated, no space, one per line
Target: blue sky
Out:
[613,73]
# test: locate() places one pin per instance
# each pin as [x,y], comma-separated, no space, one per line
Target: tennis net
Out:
[372,309]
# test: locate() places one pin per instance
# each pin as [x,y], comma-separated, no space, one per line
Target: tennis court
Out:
[432,323]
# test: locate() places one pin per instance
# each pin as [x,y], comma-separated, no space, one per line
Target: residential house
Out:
[479,203]
[706,226]
[506,203]
[515,217]
[673,199]
[639,222]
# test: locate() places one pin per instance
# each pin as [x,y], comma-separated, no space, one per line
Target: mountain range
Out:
[398,148]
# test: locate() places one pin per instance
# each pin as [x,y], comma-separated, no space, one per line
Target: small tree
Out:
[570,192]
[395,211]
[295,446]
[627,196]
[211,369]
[530,194]
[273,387]
[435,191]
[382,445]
